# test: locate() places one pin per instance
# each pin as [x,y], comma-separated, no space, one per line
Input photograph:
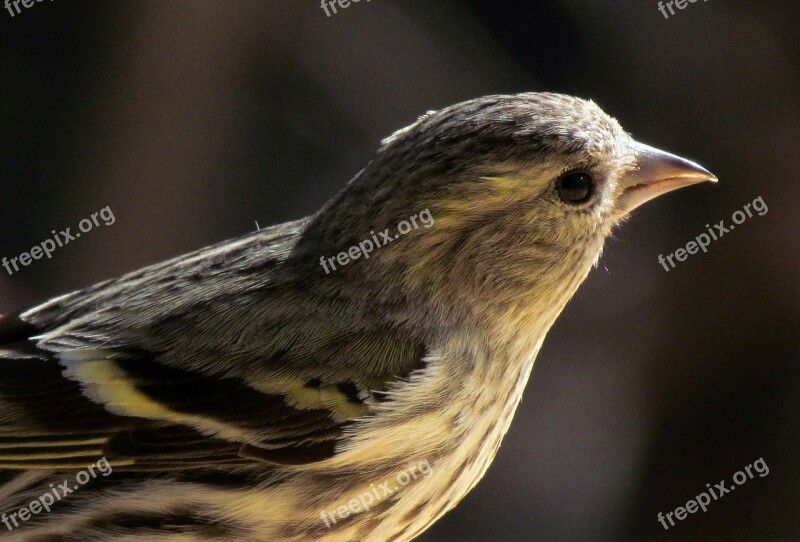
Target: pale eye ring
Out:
[575,187]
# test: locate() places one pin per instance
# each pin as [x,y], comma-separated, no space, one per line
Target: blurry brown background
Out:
[193,120]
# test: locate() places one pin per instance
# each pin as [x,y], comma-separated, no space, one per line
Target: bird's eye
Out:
[575,187]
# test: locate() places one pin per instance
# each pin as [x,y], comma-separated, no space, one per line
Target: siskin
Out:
[265,390]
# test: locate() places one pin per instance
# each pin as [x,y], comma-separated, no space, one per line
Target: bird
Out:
[299,383]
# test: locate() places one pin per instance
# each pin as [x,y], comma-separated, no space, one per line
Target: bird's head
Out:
[522,191]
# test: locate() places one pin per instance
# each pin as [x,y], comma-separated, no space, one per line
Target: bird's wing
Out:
[202,361]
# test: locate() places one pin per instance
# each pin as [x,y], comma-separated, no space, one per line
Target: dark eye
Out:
[575,187]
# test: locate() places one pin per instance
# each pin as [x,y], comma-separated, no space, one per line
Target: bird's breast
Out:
[451,419]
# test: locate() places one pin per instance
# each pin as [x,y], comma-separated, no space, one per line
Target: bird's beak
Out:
[656,173]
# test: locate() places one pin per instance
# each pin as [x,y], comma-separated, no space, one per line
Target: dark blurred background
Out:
[193,120]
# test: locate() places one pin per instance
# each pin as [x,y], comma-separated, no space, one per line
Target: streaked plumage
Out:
[240,391]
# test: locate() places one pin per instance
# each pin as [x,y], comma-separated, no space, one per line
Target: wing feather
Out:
[196,362]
